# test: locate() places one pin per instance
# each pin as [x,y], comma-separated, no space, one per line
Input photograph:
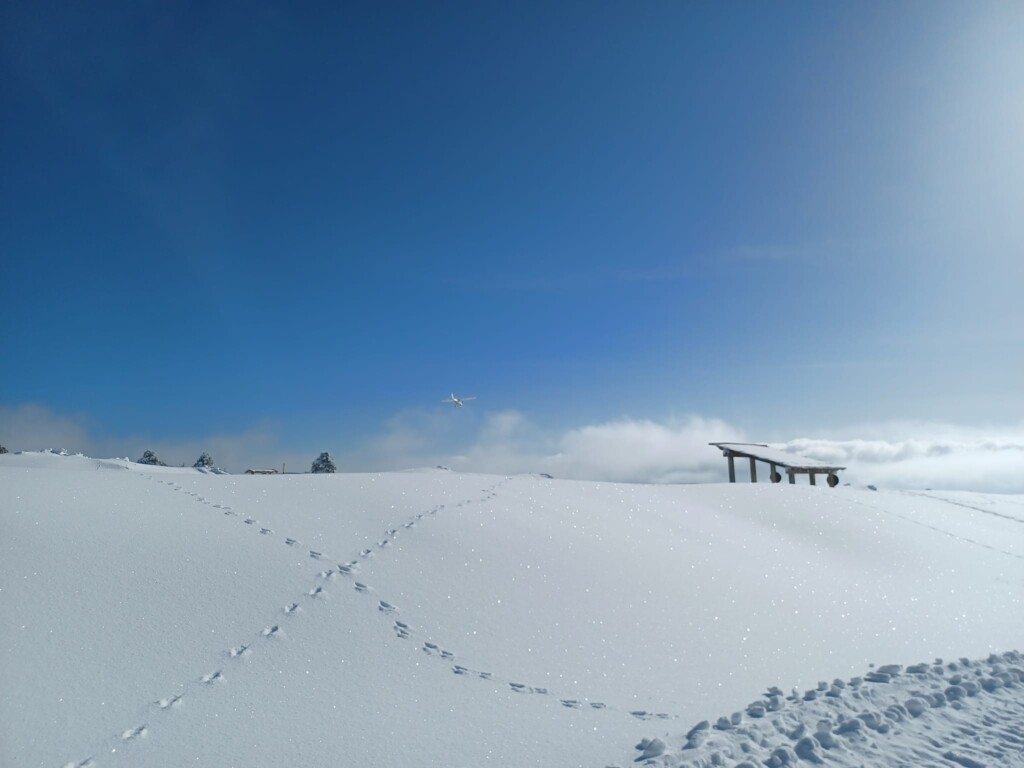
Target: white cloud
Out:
[892,454]
[938,456]
[644,451]
[623,450]
[410,438]
[32,427]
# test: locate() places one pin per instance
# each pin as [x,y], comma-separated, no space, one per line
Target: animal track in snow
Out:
[173,701]
[402,629]
[434,648]
[134,733]
[643,714]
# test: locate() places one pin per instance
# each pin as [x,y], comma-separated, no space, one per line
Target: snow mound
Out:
[965,713]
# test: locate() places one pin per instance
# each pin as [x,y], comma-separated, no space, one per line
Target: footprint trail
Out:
[317,593]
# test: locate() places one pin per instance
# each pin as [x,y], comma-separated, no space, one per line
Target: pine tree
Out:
[2,449]
[324,464]
[150,458]
[204,462]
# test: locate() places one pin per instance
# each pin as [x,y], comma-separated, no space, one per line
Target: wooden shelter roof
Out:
[763,452]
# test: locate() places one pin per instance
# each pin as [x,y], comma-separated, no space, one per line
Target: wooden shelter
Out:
[774,458]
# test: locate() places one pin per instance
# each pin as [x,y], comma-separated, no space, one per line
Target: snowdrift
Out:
[161,616]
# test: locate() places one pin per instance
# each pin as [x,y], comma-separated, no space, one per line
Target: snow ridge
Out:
[964,713]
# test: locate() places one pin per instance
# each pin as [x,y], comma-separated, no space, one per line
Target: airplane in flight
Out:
[458,402]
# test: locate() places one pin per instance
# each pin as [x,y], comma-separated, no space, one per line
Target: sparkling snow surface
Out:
[166,617]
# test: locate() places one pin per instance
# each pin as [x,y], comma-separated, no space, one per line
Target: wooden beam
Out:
[753,469]
[812,476]
[792,476]
[815,467]
[732,467]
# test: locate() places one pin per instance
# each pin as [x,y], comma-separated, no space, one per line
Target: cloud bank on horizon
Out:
[892,455]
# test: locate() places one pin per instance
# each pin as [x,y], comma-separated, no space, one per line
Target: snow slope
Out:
[161,617]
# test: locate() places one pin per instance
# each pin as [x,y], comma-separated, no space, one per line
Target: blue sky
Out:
[222,220]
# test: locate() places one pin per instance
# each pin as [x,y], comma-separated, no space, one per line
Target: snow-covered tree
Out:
[2,449]
[148,457]
[204,462]
[324,463]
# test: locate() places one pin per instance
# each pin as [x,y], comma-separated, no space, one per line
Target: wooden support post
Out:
[732,468]
[792,476]
[753,469]
[812,474]
[773,473]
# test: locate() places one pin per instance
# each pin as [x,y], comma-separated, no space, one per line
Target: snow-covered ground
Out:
[166,617]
